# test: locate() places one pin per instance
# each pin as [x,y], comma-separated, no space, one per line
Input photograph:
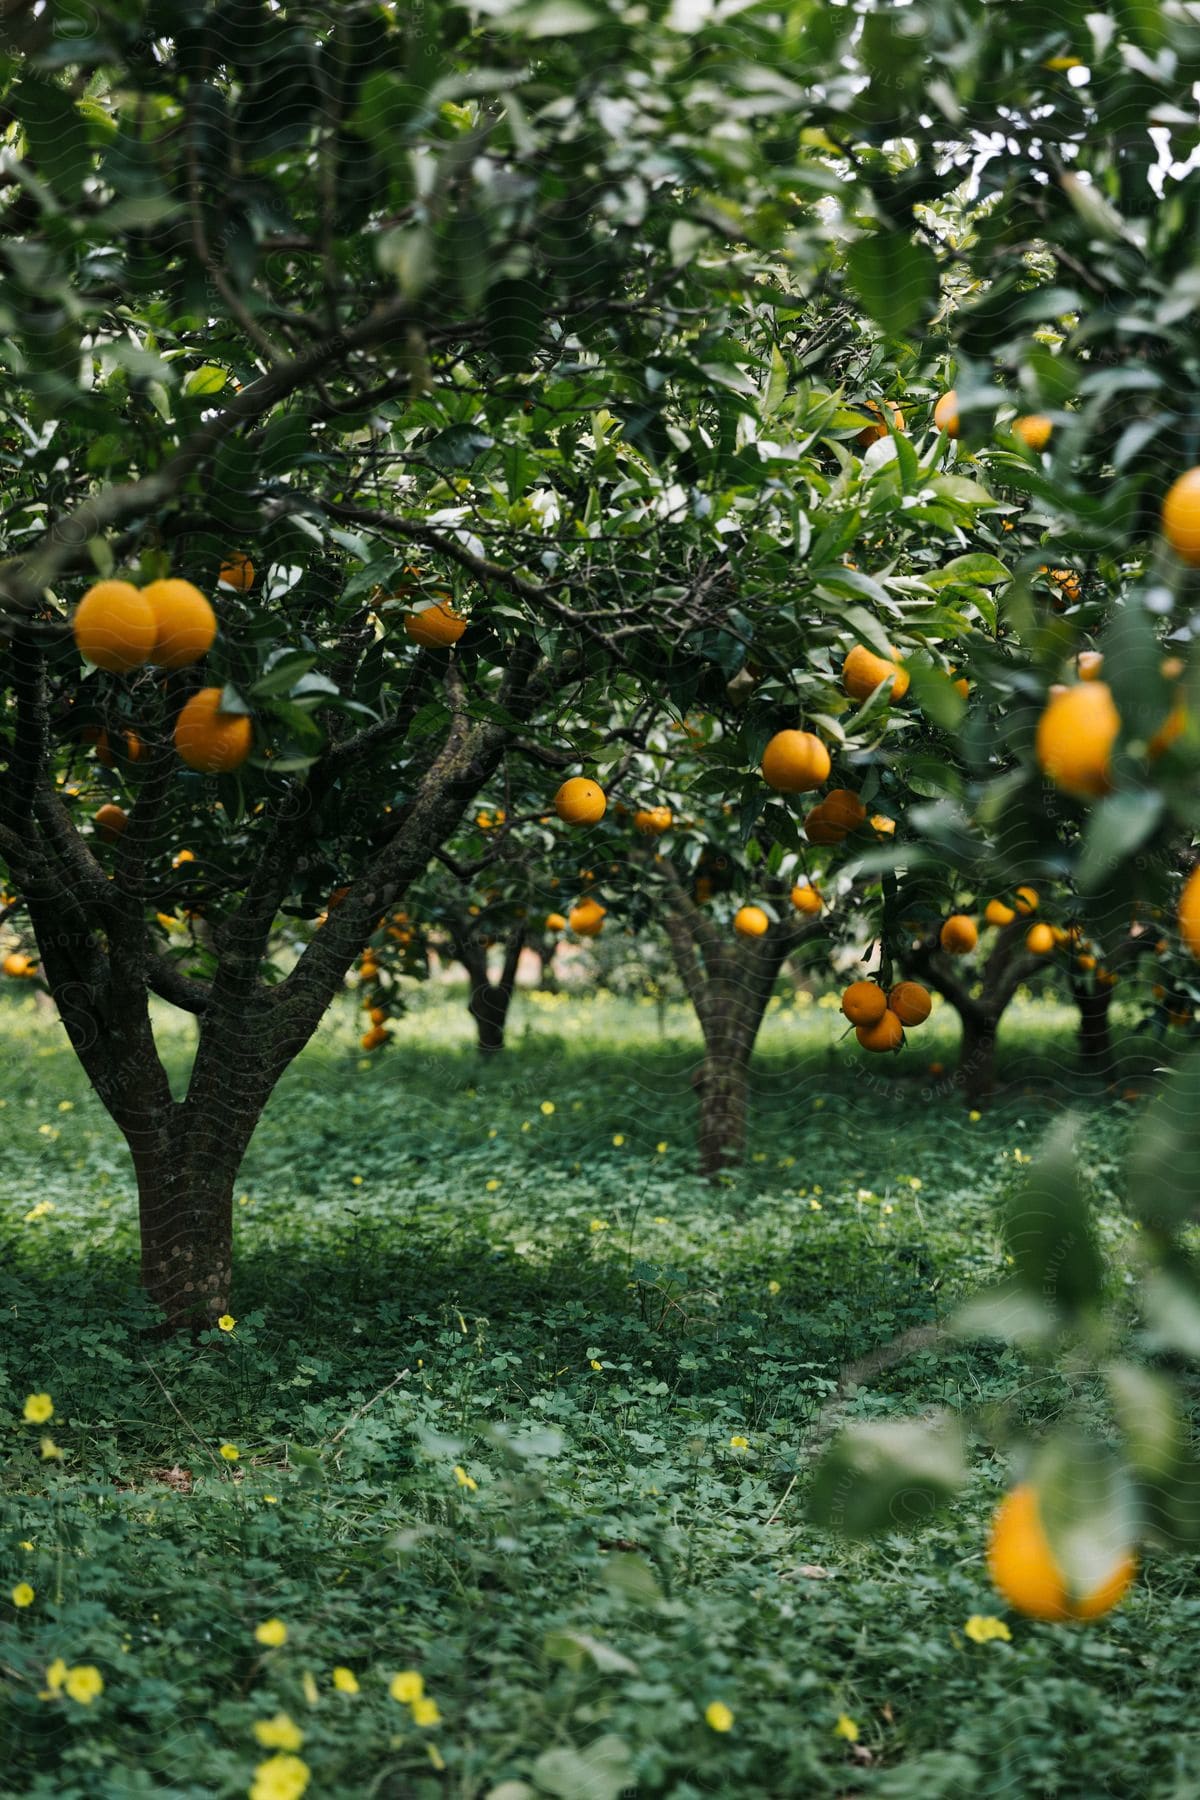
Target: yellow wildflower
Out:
[547,1107]
[982,1629]
[407,1687]
[279,1733]
[846,1728]
[464,1480]
[345,1681]
[38,1408]
[226,1322]
[272,1632]
[718,1716]
[84,1683]
[50,1450]
[425,1712]
[739,1443]
[618,1138]
[282,1777]
[23,1594]
[230,1452]
[56,1674]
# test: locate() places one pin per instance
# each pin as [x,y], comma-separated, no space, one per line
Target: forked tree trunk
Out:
[186,1216]
[489,1008]
[1006,966]
[488,1001]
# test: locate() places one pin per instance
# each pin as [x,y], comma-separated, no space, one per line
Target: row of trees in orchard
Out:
[512,388]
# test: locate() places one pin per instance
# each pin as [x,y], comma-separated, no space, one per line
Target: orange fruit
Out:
[587,918]
[795,761]
[1181,517]
[945,414]
[1039,939]
[806,898]
[1189,912]
[371,1040]
[1106,978]
[377,1015]
[883,825]
[910,1002]
[937,1068]
[114,627]
[653,821]
[1075,737]
[843,809]
[1173,726]
[996,913]
[819,828]
[18,966]
[211,740]
[436,626]
[958,935]
[751,921]
[237,571]
[111,821]
[1033,429]
[1028,900]
[863,671]
[580,801]
[131,748]
[1089,664]
[1022,1566]
[555,922]
[887,1033]
[864,1003]
[870,434]
[1085,963]
[184,623]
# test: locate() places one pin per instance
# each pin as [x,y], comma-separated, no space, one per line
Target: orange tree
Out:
[422,358]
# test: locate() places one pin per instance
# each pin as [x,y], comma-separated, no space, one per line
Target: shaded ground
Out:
[433,1260]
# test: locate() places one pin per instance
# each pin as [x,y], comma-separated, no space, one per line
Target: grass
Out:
[442,1267]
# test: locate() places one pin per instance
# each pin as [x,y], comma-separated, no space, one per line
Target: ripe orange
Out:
[863,671]
[1189,912]
[795,761]
[843,809]
[1075,737]
[1089,663]
[819,828]
[945,414]
[864,1003]
[111,821]
[751,921]
[1181,517]
[1085,963]
[996,913]
[883,825]
[114,627]
[1033,429]
[371,1040]
[211,740]
[131,748]
[653,821]
[910,1002]
[1039,939]
[958,935]
[870,434]
[18,966]
[587,918]
[184,623]
[555,922]
[436,626]
[887,1033]
[1022,1566]
[806,898]
[237,571]
[1028,900]
[580,801]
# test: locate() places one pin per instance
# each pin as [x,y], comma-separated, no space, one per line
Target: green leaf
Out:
[888,1475]
[1171,1311]
[56,132]
[458,447]
[575,1648]
[286,438]
[209,379]
[1087,1506]
[283,669]
[1164,1164]
[514,320]
[976,570]
[1007,1311]
[633,1578]
[894,278]
[603,1771]
[1116,828]
[937,696]
[1049,1231]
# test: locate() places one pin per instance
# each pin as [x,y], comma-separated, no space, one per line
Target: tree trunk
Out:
[977,1055]
[488,1006]
[185,1205]
[723,1087]
[1095,1038]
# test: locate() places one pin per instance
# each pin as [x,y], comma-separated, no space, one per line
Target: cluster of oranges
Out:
[170,625]
[377,1032]
[880,1017]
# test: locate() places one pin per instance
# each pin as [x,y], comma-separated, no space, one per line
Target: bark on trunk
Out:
[977,1056]
[723,1090]
[185,1206]
[489,1009]
[1095,1038]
